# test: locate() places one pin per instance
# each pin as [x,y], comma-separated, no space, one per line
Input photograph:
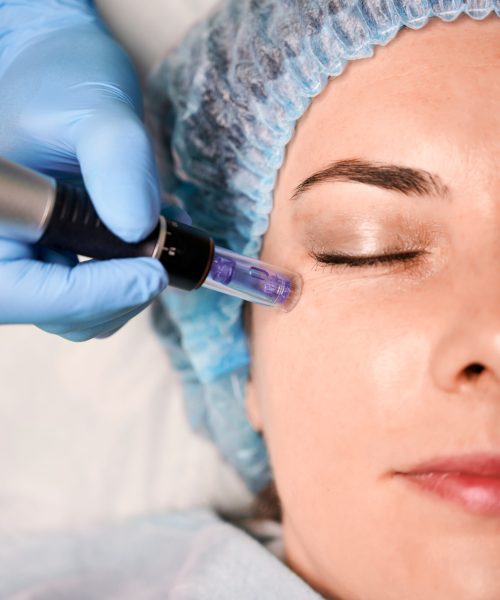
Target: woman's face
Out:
[383,366]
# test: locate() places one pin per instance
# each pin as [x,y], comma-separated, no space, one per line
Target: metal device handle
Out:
[34,208]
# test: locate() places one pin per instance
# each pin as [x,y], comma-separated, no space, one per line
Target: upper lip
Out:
[474,464]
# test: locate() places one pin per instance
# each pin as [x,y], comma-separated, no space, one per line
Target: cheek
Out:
[331,377]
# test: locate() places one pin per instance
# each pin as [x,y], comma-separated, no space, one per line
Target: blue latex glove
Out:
[70,106]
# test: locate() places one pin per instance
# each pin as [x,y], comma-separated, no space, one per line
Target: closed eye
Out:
[347,260]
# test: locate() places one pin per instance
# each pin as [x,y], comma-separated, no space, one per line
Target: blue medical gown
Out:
[182,555]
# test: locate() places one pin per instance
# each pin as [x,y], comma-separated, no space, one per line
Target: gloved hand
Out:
[70,106]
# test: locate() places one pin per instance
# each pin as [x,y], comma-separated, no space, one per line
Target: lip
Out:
[474,464]
[472,481]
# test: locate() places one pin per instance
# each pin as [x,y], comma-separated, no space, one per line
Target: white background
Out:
[96,431]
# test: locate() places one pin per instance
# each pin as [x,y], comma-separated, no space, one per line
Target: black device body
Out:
[186,252]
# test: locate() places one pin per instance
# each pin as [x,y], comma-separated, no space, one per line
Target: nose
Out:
[467,354]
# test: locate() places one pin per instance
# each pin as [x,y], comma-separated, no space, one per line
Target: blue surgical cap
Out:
[223,107]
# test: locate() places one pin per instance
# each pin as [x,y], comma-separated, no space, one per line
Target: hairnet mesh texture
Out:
[222,107]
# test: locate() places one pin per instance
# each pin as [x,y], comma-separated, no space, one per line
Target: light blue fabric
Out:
[224,106]
[185,555]
[70,105]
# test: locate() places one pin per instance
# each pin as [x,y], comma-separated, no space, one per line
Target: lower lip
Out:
[478,494]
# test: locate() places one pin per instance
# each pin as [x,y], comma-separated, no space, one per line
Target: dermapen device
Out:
[36,209]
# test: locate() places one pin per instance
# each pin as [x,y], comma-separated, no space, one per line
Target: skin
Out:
[368,374]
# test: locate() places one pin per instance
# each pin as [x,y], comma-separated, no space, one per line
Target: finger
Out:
[92,291]
[119,170]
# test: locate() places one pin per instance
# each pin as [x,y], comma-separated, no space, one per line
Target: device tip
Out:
[289,296]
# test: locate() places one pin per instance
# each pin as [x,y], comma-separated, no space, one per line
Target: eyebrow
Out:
[408,181]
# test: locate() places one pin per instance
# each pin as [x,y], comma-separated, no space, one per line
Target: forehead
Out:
[427,94]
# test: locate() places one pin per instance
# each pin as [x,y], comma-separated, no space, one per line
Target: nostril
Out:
[474,369]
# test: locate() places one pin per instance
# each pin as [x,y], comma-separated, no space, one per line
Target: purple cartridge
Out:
[253,280]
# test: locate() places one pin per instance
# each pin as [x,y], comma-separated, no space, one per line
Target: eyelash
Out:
[323,259]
